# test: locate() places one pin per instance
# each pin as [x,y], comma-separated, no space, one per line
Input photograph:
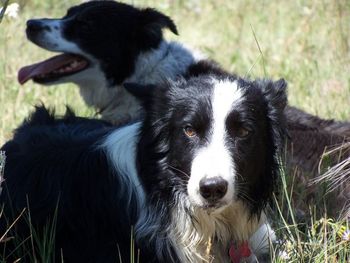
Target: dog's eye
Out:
[243,132]
[189,131]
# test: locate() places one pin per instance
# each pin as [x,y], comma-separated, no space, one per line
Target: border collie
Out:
[193,178]
[106,44]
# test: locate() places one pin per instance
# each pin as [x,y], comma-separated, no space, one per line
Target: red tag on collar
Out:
[240,252]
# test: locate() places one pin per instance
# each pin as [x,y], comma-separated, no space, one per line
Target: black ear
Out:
[154,20]
[276,94]
[142,92]
[151,24]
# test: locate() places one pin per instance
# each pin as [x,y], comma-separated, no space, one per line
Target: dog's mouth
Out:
[53,68]
[210,206]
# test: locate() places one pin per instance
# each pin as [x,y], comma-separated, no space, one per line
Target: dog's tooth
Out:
[74,64]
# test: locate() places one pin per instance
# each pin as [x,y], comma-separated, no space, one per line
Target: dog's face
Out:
[215,142]
[98,39]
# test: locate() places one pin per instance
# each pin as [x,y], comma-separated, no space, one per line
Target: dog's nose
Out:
[34,25]
[213,189]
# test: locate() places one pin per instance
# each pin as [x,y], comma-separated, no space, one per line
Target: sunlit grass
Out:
[305,42]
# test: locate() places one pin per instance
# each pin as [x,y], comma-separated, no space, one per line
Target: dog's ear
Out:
[279,97]
[152,22]
[276,94]
[141,92]
[276,97]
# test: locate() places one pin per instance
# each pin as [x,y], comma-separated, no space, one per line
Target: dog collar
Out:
[239,252]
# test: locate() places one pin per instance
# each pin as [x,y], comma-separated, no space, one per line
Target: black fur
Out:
[205,67]
[54,162]
[141,30]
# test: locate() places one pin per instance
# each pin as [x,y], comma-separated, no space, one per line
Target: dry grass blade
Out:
[3,237]
[260,51]
[338,176]
[339,173]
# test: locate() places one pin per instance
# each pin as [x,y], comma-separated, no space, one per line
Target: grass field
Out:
[305,42]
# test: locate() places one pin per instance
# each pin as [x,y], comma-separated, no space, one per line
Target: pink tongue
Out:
[44,67]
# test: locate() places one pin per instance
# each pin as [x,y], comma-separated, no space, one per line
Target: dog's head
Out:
[98,39]
[212,141]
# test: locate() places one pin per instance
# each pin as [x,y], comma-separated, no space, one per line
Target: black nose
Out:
[213,189]
[36,25]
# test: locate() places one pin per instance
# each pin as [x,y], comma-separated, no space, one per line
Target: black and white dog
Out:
[193,178]
[104,45]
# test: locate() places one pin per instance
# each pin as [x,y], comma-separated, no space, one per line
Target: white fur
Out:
[215,159]
[192,228]
[52,39]
[260,241]
[120,147]
[168,61]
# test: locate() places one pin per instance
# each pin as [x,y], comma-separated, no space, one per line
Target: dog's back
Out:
[54,167]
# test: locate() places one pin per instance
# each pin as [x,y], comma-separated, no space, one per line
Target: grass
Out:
[305,42]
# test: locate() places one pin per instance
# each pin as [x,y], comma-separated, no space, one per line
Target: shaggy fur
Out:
[99,180]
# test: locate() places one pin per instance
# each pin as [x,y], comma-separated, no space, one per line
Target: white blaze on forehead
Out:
[214,159]
[226,96]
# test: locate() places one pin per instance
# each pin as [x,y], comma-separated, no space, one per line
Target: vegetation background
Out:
[307,42]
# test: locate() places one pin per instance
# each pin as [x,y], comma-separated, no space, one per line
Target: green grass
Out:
[305,42]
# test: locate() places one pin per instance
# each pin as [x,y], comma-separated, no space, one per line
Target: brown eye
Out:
[243,132]
[189,131]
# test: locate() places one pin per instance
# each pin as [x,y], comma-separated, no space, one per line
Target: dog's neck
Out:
[115,105]
[199,236]
[207,237]
[168,61]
